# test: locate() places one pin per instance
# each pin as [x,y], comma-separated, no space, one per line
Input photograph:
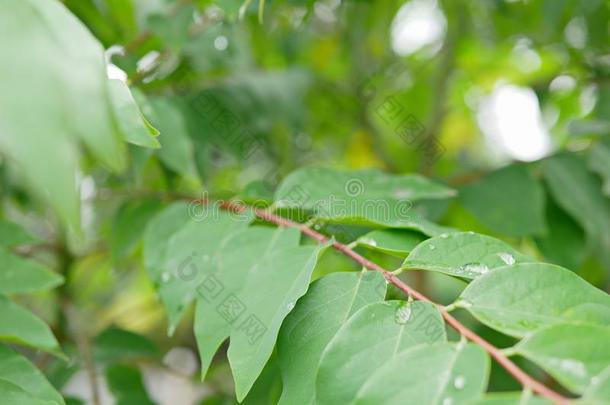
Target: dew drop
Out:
[470,233]
[459,382]
[507,258]
[403,314]
[444,235]
[165,277]
[402,193]
[290,306]
[431,247]
[447,401]
[476,269]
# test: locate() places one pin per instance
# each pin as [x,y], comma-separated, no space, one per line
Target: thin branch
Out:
[521,376]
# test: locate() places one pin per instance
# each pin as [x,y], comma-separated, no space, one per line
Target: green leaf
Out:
[599,162]
[135,128]
[445,373]
[125,382]
[19,325]
[230,303]
[14,235]
[572,353]
[598,393]
[12,394]
[510,398]
[396,242]
[129,224]
[42,44]
[189,252]
[565,243]
[463,254]
[519,299]
[370,338]
[115,344]
[177,150]
[365,197]
[18,370]
[316,318]
[578,192]
[18,275]
[508,201]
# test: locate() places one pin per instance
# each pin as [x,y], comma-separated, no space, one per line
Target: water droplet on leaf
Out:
[444,235]
[290,306]
[475,269]
[447,401]
[165,277]
[403,314]
[431,247]
[459,382]
[507,258]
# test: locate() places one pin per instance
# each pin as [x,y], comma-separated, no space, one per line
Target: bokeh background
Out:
[245,92]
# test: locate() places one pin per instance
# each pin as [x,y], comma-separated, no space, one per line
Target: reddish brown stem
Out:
[520,375]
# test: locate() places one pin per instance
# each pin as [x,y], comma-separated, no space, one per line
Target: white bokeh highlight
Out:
[512,123]
[417,24]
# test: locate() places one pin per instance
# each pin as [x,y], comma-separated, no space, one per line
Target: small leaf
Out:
[370,338]
[396,242]
[19,325]
[18,370]
[14,235]
[463,254]
[316,318]
[18,275]
[508,201]
[135,128]
[364,197]
[128,225]
[572,353]
[578,192]
[115,344]
[441,374]
[519,299]
[125,382]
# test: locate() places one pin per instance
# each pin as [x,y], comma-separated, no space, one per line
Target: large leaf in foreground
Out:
[316,318]
[46,104]
[232,304]
[19,275]
[572,353]
[463,254]
[180,249]
[12,394]
[445,373]
[18,370]
[371,337]
[367,197]
[521,298]
[19,325]
[510,398]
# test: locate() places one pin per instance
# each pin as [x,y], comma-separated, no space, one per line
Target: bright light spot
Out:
[221,43]
[324,12]
[112,70]
[148,61]
[576,32]
[525,58]
[418,23]
[563,83]
[588,99]
[511,120]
